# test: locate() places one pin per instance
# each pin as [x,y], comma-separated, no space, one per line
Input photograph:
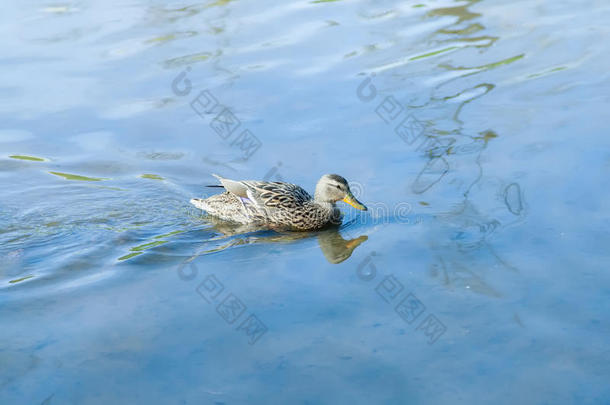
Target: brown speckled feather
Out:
[276,205]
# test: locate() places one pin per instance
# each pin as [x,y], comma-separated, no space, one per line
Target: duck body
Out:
[278,205]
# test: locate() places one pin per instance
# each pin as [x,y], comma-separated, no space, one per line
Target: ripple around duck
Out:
[86,233]
[203,235]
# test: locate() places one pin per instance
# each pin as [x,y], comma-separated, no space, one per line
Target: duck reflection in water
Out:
[335,248]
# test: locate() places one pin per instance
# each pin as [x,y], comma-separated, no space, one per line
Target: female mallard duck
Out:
[280,206]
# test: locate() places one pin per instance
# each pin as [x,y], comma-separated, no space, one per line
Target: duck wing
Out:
[264,194]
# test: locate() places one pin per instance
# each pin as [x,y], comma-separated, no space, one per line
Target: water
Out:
[480,275]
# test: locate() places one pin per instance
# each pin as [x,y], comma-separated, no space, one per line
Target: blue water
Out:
[475,131]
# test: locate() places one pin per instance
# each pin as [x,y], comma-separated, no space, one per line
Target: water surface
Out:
[475,130]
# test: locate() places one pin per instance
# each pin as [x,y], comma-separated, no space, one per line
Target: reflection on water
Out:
[454,158]
[434,128]
[335,248]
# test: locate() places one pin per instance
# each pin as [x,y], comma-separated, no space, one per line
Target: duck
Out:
[279,206]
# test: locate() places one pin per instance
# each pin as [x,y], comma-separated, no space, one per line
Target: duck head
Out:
[332,188]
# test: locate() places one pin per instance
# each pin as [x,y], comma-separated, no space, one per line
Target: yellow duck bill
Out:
[351,200]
